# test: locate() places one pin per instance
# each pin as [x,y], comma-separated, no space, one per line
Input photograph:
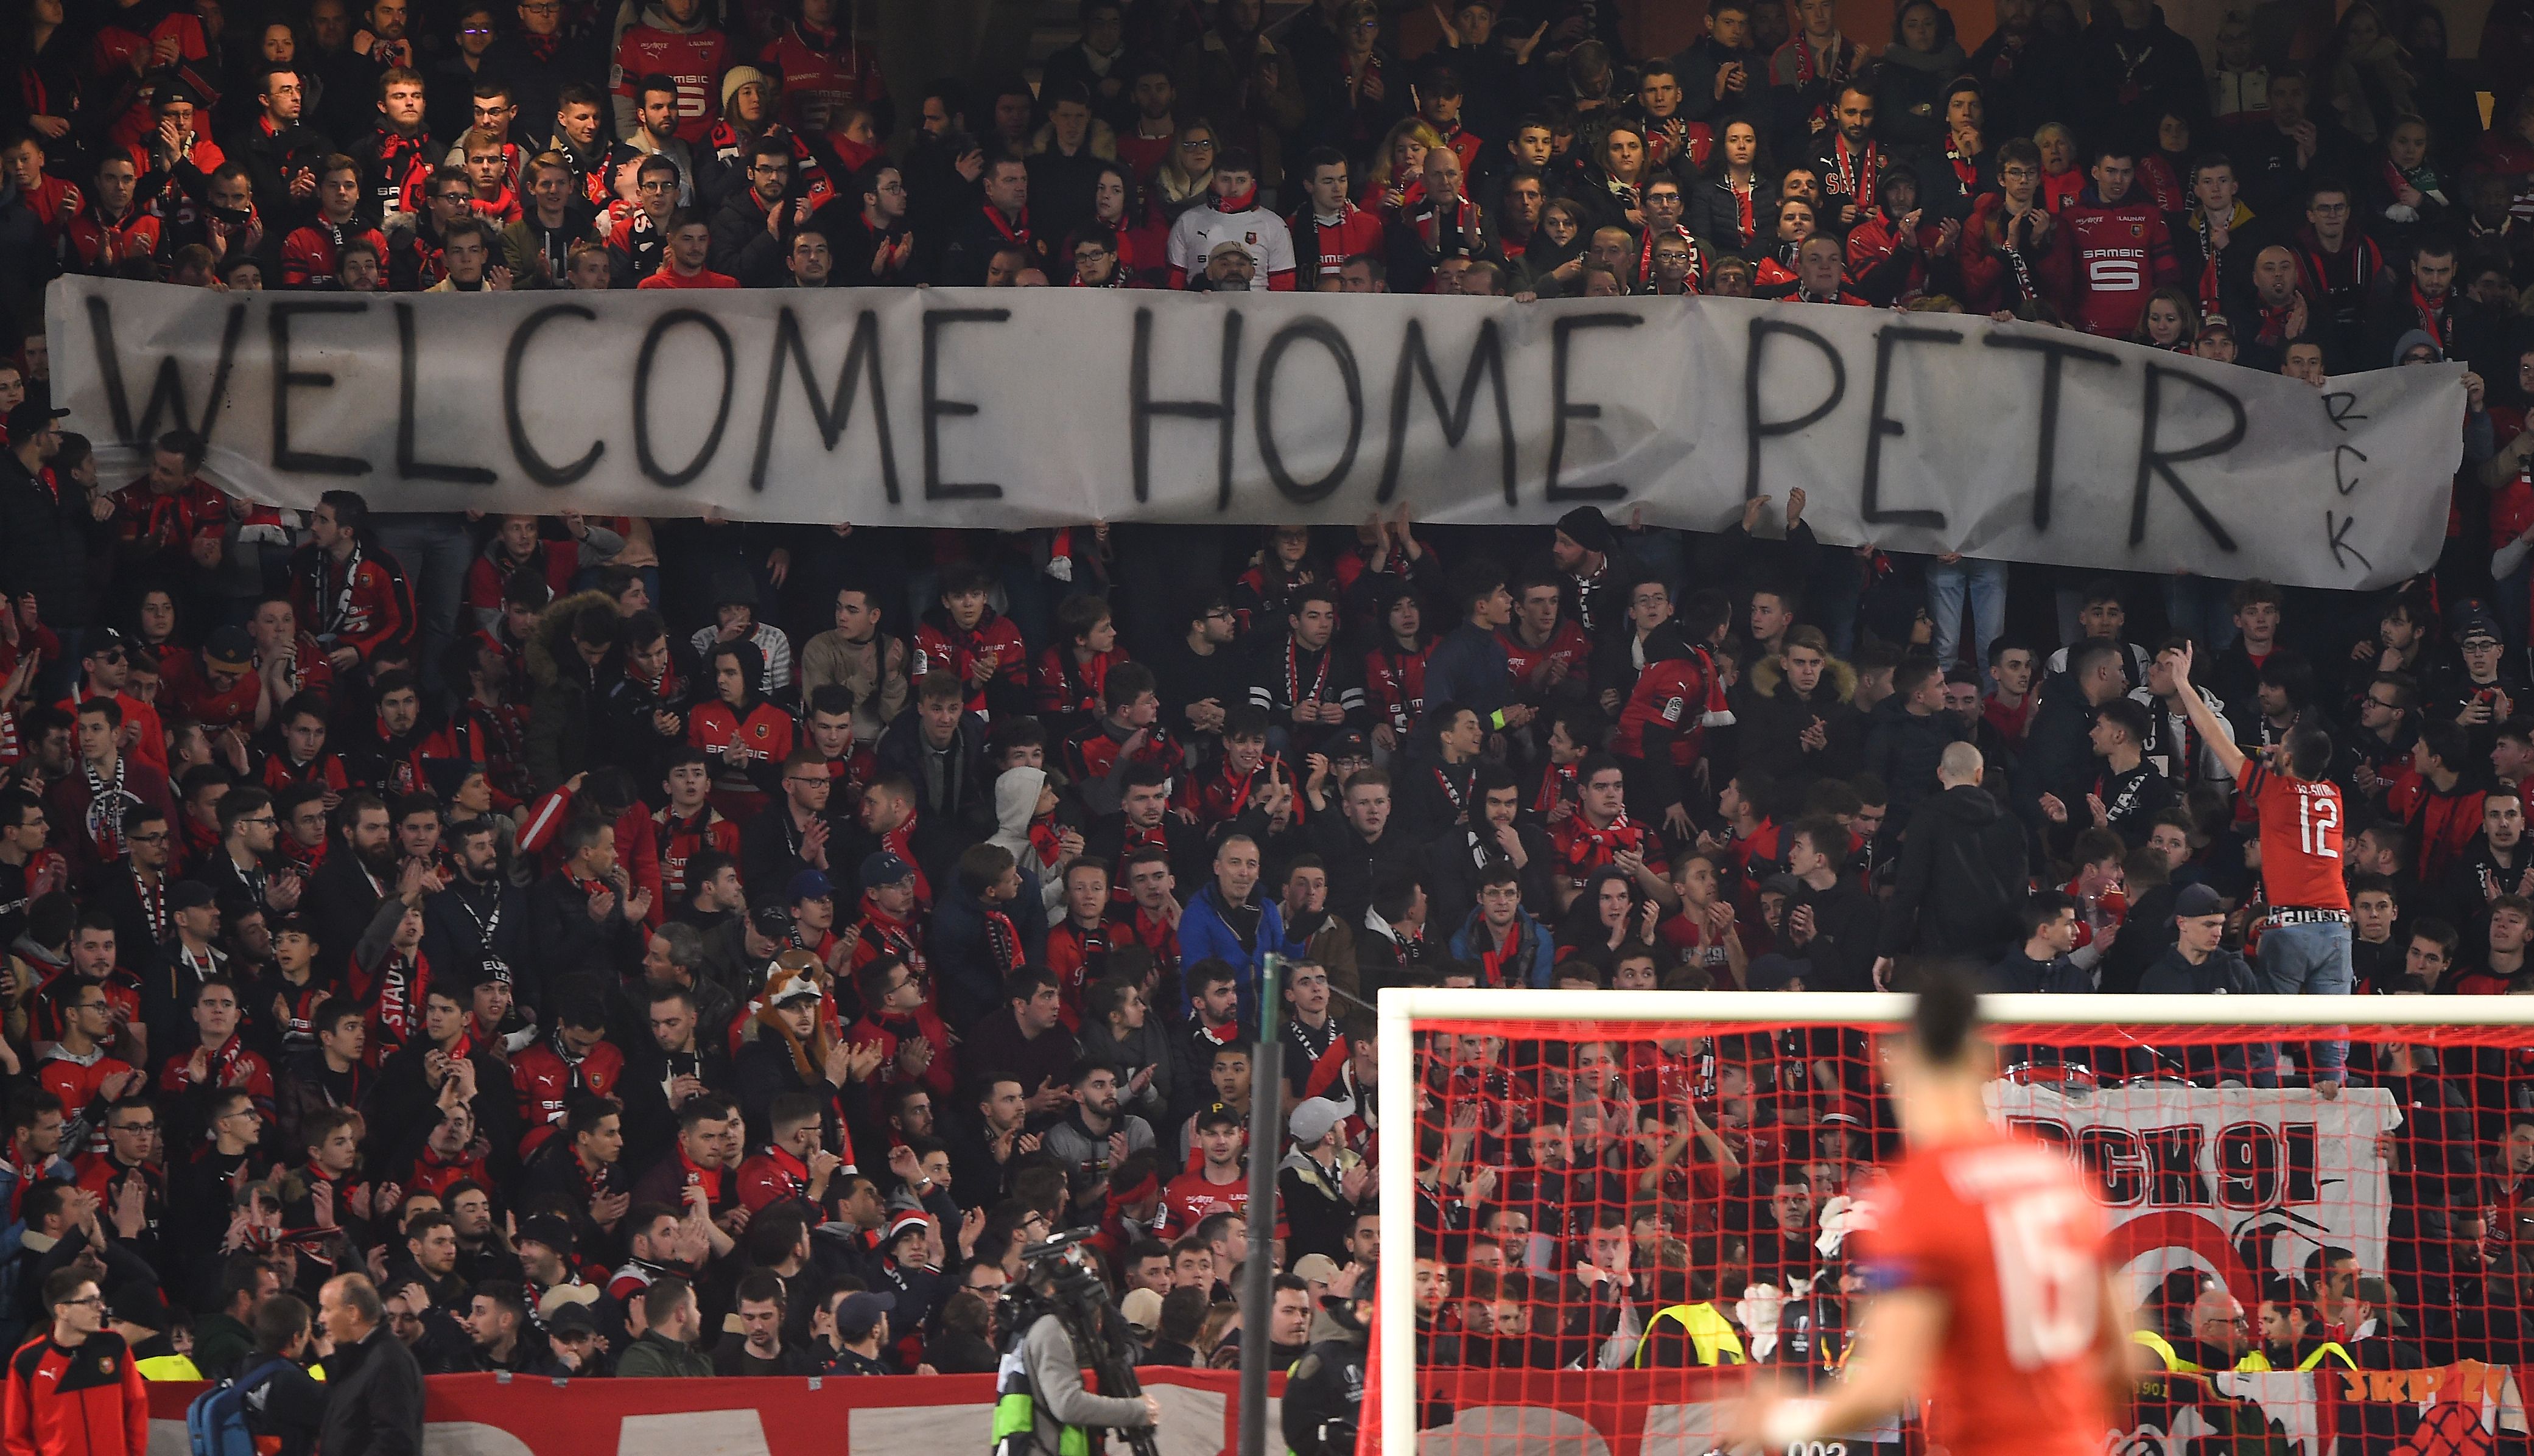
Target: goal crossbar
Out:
[1402,1011]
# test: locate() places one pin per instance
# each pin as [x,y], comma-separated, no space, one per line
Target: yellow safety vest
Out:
[2163,1350]
[1016,1415]
[1709,1333]
[168,1367]
[2260,1359]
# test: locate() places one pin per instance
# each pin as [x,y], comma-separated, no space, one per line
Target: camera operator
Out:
[1324,1393]
[1041,1408]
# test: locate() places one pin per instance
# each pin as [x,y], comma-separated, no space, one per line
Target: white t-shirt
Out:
[1199,230]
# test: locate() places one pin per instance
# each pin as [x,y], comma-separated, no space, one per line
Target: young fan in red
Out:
[1542,648]
[1599,831]
[690,244]
[1128,732]
[978,646]
[1680,695]
[1072,673]
[747,736]
[517,546]
[898,1015]
[1076,943]
[1329,228]
[1218,1183]
[687,824]
[1393,672]
[344,594]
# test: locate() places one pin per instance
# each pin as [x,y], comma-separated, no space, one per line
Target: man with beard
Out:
[1096,1136]
[479,912]
[359,870]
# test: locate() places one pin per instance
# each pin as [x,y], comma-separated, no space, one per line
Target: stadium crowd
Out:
[681,947]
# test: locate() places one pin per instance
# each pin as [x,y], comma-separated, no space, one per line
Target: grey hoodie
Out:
[1015,803]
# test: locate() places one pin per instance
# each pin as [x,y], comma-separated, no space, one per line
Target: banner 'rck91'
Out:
[1918,432]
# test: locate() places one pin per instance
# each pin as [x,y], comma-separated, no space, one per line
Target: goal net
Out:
[1623,1204]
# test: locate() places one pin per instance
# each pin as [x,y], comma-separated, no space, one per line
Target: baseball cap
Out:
[2197,900]
[862,1309]
[101,640]
[884,867]
[229,649]
[32,416]
[1315,1269]
[2217,323]
[773,921]
[2474,623]
[1312,1120]
[1142,1308]
[811,884]
[1218,1114]
[570,1318]
[1348,744]
[1782,884]
[191,894]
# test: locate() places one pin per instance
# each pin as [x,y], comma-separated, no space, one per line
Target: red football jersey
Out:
[2301,821]
[1188,1199]
[2003,1229]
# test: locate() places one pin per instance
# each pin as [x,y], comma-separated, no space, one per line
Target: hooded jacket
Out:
[1774,716]
[1962,875]
[1015,805]
[563,692]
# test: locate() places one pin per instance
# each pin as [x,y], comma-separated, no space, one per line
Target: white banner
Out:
[2245,1182]
[1917,432]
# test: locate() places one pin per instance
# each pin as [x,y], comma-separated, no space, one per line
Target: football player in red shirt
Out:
[1992,1296]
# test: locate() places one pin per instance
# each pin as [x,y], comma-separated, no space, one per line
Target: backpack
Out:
[215,1422]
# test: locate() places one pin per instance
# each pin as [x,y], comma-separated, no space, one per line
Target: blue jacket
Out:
[1468,667]
[1531,960]
[1203,933]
